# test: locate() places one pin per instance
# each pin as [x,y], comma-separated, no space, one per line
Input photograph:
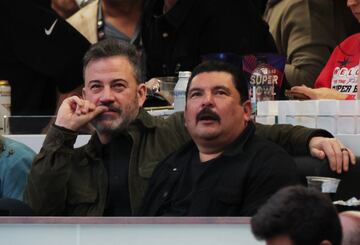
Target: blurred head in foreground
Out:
[297,216]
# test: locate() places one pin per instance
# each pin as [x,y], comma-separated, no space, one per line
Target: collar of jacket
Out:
[272,3]
[238,145]
[175,16]
[143,120]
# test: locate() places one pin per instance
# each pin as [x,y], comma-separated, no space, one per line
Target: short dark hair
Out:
[221,66]
[112,47]
[304,214]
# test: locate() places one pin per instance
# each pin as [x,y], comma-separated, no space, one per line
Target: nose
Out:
[208,100]
[107,96]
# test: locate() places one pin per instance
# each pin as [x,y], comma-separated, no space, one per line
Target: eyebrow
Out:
[214,88]
[194,89]
[112,81]
[222,87]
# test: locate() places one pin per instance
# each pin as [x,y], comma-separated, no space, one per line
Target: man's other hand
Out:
[317,93]
[338,155]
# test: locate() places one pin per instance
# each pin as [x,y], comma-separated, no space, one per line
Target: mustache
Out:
[207,114]
[112,108]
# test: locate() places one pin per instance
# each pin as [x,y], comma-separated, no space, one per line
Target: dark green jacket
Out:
[68,181]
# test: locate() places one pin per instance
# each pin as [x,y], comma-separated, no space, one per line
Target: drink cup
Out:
[325,185]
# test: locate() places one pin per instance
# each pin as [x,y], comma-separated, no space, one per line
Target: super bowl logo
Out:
[345,72]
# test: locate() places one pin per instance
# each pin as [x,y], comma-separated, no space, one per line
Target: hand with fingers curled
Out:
[75,113]
[339,156]
[298,92]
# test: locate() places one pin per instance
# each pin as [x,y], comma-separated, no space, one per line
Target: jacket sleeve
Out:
[46,189]
[177,123]
[294,139]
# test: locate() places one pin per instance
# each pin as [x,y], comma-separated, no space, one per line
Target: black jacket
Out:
[237,183]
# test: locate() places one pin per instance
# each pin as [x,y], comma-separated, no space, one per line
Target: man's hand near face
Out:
[75,113]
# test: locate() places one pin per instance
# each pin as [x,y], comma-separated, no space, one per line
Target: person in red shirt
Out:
[338,79]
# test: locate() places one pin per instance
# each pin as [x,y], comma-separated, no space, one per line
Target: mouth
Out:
[109,113]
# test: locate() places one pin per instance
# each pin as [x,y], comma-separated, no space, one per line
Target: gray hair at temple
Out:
[112,47]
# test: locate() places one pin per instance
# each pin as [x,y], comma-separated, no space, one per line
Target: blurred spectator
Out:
[176,33]
[306,32]
[350,222]
[65,8]
[40,55]
[117,19]
[15,164]
[297,216]
[338,79]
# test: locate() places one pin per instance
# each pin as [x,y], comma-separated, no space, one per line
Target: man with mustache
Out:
[109,175]
[226,170]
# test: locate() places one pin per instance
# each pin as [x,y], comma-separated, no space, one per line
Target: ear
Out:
[247,110]
[184,115]
[325,242]
[141,92]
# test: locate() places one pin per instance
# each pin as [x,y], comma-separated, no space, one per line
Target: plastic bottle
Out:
[5,104]
[180,90]
[262,82]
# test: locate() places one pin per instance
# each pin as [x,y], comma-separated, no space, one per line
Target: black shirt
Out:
[183,193]
[116,157]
